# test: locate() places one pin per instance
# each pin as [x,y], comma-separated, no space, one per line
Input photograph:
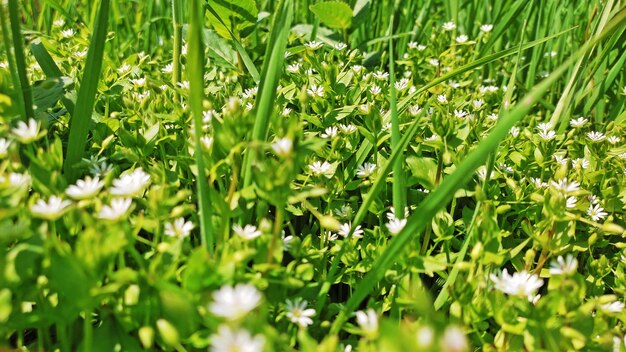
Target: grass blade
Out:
[79,124]
[272,71]
[195,67]
[20,60]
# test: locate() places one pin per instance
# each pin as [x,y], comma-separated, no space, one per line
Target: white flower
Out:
[454,340]
[250,92]
[593,199]
[233,303]
[570,202]
[125,68]
[596,212]
[84,189]
[613,307]
[478,103]
[613,139]
[538,183]
[402,84]
[298,313]
[344,230]
[579,122]
[207,142]
[349,128]
[229,340]
[565,266]
[27,133]
[580,163]
[425,336]
[330,132]
[19,180]
[380,75]
[4,147]
[286,111]
[179,228]
[494,117]
[59,23]
[514,131]
[118,209]
[414,110]
[460,113]
[315,91]
[375,90]
[169,68]
[547,135]
[433,62]
[564,186]
[357,68]
[313,45]
[448,26]
[139,82]
[395,225]
[322,168]
[248,232]
[518,284]
[294,68]
[486,28]
[412,45]
[100,168]
[68,33]
[442,98]
[366,170]
[344,212]
[461,39]
[561,159]
[131,184]
[596,136]
[368,322]
[282,146]
[50,210]
[340,46]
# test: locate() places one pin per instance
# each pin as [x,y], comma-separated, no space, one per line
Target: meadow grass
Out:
[433,175]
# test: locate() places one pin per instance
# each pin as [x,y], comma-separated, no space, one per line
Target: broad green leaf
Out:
[334,14]
[232,16]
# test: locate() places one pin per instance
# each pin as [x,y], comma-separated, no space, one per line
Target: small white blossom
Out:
[580,163]
[412,45]
[68,33]
[125,68]
[344,212]
[375,90]
[434,62]
[84,189]
[179,228]
[596,212]
[478,103]
[248,232]
[27,133]
[330,132]
[340,46]
[50,210]
[448,26]
[579,122]
[461,39]
[315,91]
[596,136]
[322,168]
[613,139]
[19,180]
[613,307]
[345,230]
[565,186]
[565,266]
[131,184]
[414,110]
[518,284]
[313,45]
[349,128]
[169,68]
[454,340]
[119,208]
[283,146]
[234,303]
[230,340]
[4,147]
[294,68]
[460,113]
[425,337]
[365,170]
[395,225]
[486,28]
[442,98]
[514,131]
[547,135]
[570,202]
[402,84]
[380,75]
[368,322]
[298,313]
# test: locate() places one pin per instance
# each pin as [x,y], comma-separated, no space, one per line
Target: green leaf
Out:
[334,14]
[232,16]
[48,92]
[424,169]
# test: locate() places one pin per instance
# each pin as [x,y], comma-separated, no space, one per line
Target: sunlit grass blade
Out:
[195,67]
[20,60]
[444,193]
[177,22]
[79,124]
[399,191]
[272,71]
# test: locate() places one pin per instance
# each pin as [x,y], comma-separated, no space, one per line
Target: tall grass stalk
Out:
[177,21]
[20,60]
[465,170]
[399,190]
[272,71]
[195,67]
[79,123]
